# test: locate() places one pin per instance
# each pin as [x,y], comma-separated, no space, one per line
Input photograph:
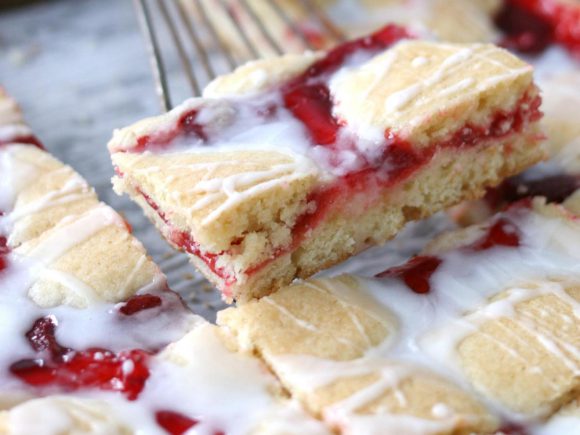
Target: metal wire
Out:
[154,55]
[192,38]
[291,24]
[268,37]
[185,63]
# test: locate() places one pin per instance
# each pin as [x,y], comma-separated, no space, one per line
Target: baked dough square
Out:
[93,341]
[290,165]
[477,334]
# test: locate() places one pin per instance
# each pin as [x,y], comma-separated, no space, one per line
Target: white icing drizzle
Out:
[420,61]
[431,327]
[131,276]
[196,376]
[287,313]
[16,174]
[404,97]
[72,231]
[398,100]
[79,288]
[233,123]
[242,185]
[74,189]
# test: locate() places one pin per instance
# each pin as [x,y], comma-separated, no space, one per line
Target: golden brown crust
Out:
[331,326]
[333,345]
[58,221]
[241,206]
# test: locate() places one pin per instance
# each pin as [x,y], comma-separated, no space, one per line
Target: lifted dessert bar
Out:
[290,165]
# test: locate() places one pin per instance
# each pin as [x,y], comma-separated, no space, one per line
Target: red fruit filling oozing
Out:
[183,240]
[416,273]
[555,188]
[139,303]
[530,26]
[174,423]
[4,250]
[307,98]
[56,365]
[501,233]
[177,424]
[30,140]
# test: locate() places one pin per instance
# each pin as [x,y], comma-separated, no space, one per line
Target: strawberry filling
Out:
[401,159]
[184,241]
[125,371]
[555,188]
[416,273]
[175,423]
[530,26]
[308,99]
[31,140]
[138,303]
[4,251]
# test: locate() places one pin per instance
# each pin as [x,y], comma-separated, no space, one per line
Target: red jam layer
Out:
[71,370]
[185,241]
[177,424]
[31,140]
[139,303]
[308,99]
[530,26]
[4,250]
[416,273]
[555,188]
[501,233]
[174,423]
[402,161]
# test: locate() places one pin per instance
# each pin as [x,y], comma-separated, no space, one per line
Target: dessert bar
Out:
[93,341]
[477,334]
[290,165]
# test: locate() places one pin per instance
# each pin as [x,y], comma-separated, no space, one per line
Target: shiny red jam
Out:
[4,250]
[416,273]
[555,188]
[501,233]
[174,423]
[138,303]
[530,26]
[56,365]
[184,241]
[31,140]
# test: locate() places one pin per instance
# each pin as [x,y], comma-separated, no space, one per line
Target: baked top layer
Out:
[93,341]
[241,177]
[485,319]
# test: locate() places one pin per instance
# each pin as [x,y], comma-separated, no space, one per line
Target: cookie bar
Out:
[180,389]
[477,334]
[291,165]
[93,341]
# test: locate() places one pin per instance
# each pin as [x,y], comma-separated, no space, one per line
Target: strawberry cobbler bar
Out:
[290,165]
